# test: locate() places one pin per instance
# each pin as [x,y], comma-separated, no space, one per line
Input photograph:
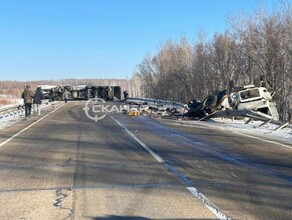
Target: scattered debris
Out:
[255,103]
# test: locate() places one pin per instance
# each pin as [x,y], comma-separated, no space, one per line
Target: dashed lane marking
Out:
[195,192]
[158,158]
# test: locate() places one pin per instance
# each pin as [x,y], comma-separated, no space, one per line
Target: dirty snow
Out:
[266,131]
[252,129]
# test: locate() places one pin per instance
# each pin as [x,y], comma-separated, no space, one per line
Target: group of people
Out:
[35,98]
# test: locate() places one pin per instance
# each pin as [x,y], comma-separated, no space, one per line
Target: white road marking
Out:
[208,203]
[220,215]
[158,158]
[14,136]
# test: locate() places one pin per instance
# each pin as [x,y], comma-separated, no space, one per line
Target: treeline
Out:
[255,44]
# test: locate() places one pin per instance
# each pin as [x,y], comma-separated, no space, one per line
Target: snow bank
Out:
[253,128]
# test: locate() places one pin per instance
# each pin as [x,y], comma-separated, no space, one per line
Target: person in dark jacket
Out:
[125,95]
[27,96]
[37,101]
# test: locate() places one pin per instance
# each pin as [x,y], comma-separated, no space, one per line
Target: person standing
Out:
[66,95]
[27,96]
[125,95]
[37,101]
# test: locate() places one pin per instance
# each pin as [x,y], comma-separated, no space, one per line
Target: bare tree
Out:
[257,44]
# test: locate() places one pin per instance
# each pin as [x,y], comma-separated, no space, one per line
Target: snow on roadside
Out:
[266,132]
[8,122]
[12,120]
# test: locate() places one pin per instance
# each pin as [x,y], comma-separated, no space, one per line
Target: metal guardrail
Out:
[7,109]
[11,111]
[14,110]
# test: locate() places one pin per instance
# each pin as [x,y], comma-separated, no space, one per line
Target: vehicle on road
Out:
[85,92]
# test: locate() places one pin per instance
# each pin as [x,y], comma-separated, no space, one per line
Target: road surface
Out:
[66,166]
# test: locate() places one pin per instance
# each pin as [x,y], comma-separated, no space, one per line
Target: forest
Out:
[255,44]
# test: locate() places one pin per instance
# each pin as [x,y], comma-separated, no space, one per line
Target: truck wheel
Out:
[210,101]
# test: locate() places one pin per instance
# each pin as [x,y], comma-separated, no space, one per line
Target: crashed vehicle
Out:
[249,97]
[255,98]
[199,109]
[55,93]
[103,92]
[46,90]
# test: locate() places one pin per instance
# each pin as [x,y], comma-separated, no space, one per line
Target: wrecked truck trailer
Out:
[46,90]
[81,92]
[56,93]
[84,92]
[104,92]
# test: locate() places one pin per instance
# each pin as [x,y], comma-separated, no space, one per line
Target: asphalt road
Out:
[66,166]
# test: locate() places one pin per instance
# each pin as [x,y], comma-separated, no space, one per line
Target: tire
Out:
[210,101]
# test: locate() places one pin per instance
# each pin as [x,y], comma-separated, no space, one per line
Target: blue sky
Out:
[56,39]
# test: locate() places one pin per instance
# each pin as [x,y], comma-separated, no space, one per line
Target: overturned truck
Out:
[239,99]
[81,92]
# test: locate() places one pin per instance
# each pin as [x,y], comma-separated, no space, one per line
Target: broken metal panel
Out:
[282,126]
[248,121]
[264,123]
[249,95]
[254,98]
[239,113]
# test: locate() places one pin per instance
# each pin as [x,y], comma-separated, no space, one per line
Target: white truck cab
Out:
[254,98]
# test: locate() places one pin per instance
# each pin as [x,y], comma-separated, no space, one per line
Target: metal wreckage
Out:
[253,102]
[238,101]
[55,93]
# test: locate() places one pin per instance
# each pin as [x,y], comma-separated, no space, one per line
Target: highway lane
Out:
[66,166]
[246,178]
[69,167]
